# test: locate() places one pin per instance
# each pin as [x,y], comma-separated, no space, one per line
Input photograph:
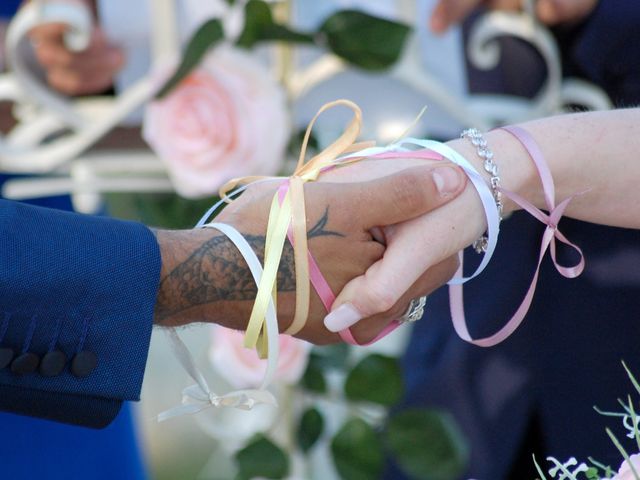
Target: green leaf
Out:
[313,378]
[160,210]
[310,428]
[427,444]
[332,356]
[262,458]
[208,35]
[357,451]
[592,474]
[259,26]
[632,378]
[363,40]
[608,471]
[376,379]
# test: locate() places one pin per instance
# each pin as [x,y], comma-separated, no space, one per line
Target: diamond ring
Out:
[414,311]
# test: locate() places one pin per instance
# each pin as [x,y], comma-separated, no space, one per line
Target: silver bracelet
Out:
[482,148]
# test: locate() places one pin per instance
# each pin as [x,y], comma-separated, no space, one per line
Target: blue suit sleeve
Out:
[80,286]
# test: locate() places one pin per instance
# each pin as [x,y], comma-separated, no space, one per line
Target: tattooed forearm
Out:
[215,271]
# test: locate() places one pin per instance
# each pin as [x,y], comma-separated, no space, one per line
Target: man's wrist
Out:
[204,278]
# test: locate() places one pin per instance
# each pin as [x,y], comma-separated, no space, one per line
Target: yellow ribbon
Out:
[291,211]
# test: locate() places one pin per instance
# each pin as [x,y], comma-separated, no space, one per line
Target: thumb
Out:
[383,284]
[402,196]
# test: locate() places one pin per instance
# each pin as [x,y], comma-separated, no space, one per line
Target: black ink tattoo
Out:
[216,271]
[318,229]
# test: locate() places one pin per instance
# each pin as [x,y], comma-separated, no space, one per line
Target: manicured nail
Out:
[342,317]
[447,180]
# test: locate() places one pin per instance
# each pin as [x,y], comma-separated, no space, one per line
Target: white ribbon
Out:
[486,196]
[199,396]
[484,192]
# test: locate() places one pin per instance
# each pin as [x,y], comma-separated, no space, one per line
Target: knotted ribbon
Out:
[551,234]
[287,218]
[199,396]
[288,214]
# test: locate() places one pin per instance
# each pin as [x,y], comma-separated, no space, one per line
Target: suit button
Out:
[84,363]
[25,364]
[53,363]
[6,355]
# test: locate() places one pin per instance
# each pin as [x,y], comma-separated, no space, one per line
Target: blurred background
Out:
[82,129]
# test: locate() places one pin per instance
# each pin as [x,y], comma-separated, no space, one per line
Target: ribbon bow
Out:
[199,396]
[549,237]
[288,212]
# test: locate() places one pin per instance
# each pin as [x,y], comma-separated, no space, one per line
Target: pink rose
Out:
[242,367]
[227,119]
[625,472]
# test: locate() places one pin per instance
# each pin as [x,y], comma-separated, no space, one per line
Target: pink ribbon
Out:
[549,237]
[551,234]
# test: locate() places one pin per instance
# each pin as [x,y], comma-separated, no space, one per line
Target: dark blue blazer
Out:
[84,286]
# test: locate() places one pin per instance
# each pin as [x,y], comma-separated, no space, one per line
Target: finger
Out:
[417,245]
[97,56]
[400,197]
[80,83]
[553,12]
[367,329]
[448,12]
[51,32]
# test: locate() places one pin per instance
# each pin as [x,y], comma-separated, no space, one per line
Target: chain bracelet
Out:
[482,148]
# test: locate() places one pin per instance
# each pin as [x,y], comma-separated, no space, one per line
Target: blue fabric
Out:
[85,282]
[74,269]
[607,50]
[33,448]
[564,359]
[8,8]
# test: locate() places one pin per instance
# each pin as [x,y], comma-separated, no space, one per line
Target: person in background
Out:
[535,392]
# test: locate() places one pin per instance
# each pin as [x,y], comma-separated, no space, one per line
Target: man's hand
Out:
[204,278]
[90,71]
[550,12]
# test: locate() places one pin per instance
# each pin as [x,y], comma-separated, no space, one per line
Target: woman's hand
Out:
[344,246]
[420,254]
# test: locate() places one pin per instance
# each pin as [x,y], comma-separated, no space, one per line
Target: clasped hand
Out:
[380,234]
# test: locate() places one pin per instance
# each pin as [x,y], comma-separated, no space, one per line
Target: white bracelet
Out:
[482,147]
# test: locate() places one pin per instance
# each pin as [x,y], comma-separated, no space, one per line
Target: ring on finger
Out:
[414,311]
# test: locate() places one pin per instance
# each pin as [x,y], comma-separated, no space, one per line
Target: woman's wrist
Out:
[516,170]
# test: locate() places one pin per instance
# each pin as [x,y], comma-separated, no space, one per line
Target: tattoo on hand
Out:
[216,271]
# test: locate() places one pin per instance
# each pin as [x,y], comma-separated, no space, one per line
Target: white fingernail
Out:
[342,317]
